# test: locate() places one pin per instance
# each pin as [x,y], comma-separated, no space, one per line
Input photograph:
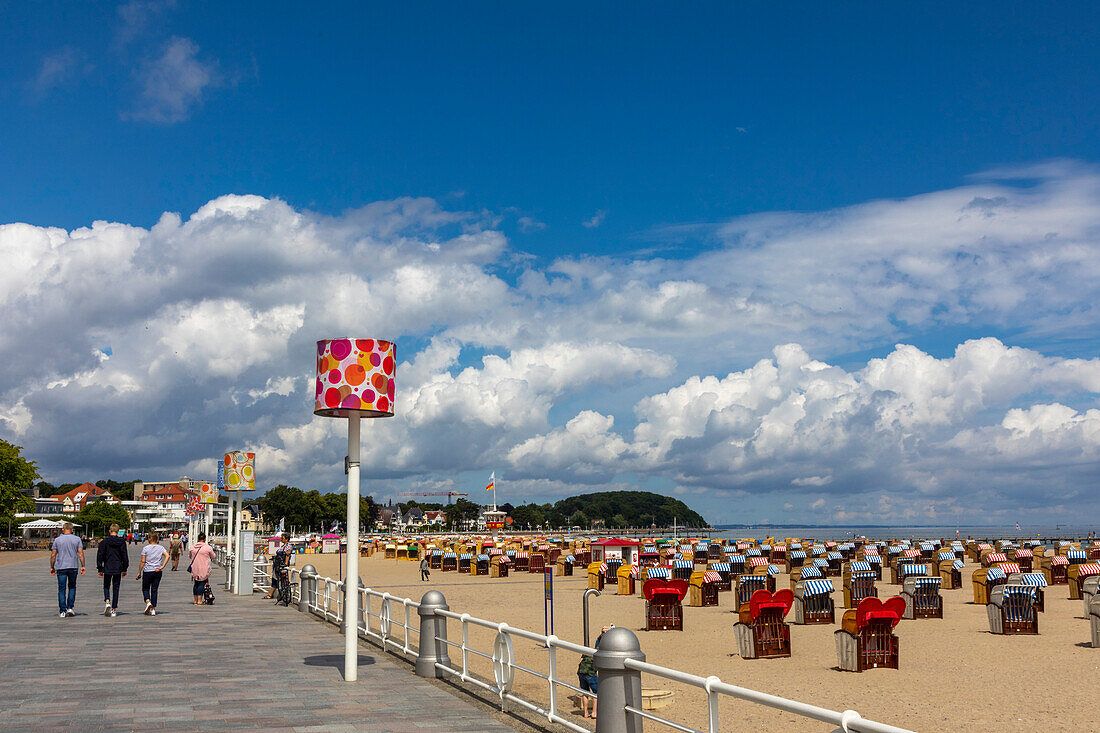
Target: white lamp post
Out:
[354,380]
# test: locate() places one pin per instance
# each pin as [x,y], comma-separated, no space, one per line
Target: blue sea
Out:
[1025,531]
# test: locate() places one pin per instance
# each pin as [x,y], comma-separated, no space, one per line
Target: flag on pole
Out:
[335,526]
[282,525]
[492,481]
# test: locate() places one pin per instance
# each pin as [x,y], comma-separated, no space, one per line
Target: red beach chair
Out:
[664,610]
[761,632]
[866,639]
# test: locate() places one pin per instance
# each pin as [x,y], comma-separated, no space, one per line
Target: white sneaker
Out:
[152,612]
[148,607]
[113,613]
[106,608]
[62,615]
[70,612]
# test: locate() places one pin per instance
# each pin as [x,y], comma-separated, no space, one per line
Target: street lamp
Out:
[355,378]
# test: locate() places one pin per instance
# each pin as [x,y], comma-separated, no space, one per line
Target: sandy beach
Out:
[953,672]
[10,557]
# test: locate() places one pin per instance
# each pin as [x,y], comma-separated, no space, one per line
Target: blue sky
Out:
[699,188]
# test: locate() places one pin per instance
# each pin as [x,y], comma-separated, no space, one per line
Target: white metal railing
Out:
[327,603]
[504,665]
[849,720]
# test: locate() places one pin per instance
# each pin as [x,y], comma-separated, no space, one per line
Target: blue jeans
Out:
[66,600]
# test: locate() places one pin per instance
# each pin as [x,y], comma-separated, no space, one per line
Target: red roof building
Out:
[621,548]
[74,500]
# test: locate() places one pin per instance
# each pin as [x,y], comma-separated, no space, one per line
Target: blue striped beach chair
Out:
[749,584]
[922,596]
[813,602]
[1011,610]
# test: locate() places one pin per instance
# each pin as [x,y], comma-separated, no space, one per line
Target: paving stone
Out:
[242,664]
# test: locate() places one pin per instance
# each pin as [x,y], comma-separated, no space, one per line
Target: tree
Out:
[97,516]
[17,477]
[578,519]
[123,491]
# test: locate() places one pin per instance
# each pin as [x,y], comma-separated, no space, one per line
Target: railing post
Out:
[618,686]
[228,570]
[307,588]
[433,635]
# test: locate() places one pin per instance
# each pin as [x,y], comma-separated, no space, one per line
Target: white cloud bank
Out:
[586,372]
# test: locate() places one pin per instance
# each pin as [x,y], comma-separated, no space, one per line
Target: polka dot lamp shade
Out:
[240,471]
[355,377]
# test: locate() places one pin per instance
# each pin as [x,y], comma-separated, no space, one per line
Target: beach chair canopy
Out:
[818,587]
[664,591]
[811,572]
[870,552]
[756,562]
[766,548]
[681,564]
[1009,567]
[701,545]
[913,570]
[859,565]
[927,546]
[995,574]
[711,576]
[736,559]
[483,558]
[946,556]
[774,570]
[1078,555]
[466,556]
[450,554]
[821,563]
[996,557]
[522,555]
[765,600]
[721,567]
[1036,579]
[929,582]
[753,552]
[957,565]
[1059,560]
[659,572]
[797,555]
[910,553]
[872,608]
[570,558]
[437,553]
[834,556]
[1022,552]
[1084,571]
[862,574]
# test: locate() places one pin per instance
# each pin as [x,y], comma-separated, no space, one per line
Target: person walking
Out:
[153,559]
[112,561]
[279,563]
[175,549]
[201,555]
[425,571]
[66,557]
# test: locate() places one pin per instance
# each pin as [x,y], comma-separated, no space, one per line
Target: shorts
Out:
[588,682]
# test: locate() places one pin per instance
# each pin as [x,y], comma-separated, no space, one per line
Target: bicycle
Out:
[285,594]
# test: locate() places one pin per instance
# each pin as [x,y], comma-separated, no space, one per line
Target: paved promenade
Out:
[238,665]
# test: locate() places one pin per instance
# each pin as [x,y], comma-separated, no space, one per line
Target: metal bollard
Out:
[228,570]
[618,687]
[343,609]
[433,635]
[307,588]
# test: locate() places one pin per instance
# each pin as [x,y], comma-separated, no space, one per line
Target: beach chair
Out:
[435,559]
[779,554]
[1037,581]
[682,569]
[521,561]
[1094,621]
[583,557]
[1023,557]
[1056,568]
[714,552]
[813,602]
[747,584]
[702,588]
[552,555]
[1011,610]
[1088,591]
[795,559]
[834,560]
[984,580]
[465,561]
[596,573]
[564,565]
[1075,556]
[724,572]
[499,565]
[760,631]
[450,562]
[866,638]
[699,552]
[625,577]
[989,559]
[921,594]
[858,585]
[906,570]
[390,551]
[951,572]
[1076,576]
[664,604]
[737,565]
[536,562]
[481,565]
